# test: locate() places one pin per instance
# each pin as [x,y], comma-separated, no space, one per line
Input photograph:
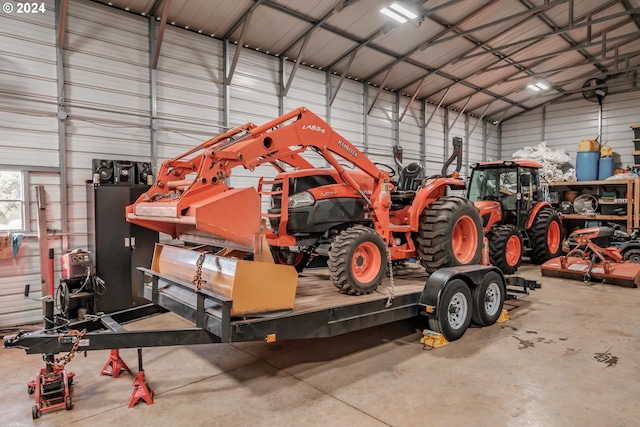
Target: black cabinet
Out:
[118,247]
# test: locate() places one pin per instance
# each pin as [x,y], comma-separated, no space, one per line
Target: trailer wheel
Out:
[357,260]
[68,404]
[450,234]
[488,300]
[546,236]
[299,260]
[35,412]
[632,255]
[454,314]
[505,248]
[31,389]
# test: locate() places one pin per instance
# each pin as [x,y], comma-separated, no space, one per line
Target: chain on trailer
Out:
[393,290]
[197,279]
[61,362]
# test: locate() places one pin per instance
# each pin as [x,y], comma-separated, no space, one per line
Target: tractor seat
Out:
[410,177]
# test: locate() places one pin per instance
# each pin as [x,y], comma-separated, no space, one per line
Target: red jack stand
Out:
[116,364]
[141,388]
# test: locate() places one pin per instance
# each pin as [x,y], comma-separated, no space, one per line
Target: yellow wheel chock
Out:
[504,316]
[432,339]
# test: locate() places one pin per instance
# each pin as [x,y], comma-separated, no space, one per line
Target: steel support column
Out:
[467,138]
[226,91]
[423,135]
[153,99]
[365,118]
[484,140]
[445,125]
[544,122]
[396,119]
[60,22]
[328,99]
[281,96]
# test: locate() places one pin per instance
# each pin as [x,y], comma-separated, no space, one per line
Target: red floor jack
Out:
[141,388]
[51,386]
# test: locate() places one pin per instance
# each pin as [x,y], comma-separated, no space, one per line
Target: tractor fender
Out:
[534,212]
[432,190]
[436,284]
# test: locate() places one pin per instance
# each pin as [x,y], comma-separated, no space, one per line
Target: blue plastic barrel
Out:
[605,168]
[587,165]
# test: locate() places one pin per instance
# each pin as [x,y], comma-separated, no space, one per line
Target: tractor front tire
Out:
[546,236]
[505,248]
[357,260]
[450,234]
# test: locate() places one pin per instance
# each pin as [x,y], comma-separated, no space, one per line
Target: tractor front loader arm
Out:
[191,199]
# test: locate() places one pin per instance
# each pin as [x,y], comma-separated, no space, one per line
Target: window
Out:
[12,200]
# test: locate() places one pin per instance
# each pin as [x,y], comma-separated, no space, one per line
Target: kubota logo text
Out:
[314,127]
[347,148]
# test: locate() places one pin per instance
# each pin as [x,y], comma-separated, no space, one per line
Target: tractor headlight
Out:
[301,200]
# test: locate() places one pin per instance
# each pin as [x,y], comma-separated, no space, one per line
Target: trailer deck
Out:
[320,310]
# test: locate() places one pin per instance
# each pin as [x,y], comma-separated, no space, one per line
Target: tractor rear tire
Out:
[546,236]
[357,260]
[505,248]
[450,234]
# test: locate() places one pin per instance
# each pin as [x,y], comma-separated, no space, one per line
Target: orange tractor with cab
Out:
[515,217]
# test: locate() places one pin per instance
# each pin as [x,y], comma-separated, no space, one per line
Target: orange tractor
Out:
[515,217]
[356,215]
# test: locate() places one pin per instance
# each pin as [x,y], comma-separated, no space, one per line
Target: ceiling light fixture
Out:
[393,15]
[403,11]
[538,86]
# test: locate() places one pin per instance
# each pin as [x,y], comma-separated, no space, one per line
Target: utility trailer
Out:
[318,312]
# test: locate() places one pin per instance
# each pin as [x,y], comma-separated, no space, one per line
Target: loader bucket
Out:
[229,219]
[625,273]
[254,287]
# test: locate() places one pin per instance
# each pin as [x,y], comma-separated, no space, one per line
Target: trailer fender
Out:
[436,284]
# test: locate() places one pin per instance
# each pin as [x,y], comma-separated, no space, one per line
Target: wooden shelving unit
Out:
[630,187]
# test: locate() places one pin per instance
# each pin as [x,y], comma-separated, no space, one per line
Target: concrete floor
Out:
[569,356]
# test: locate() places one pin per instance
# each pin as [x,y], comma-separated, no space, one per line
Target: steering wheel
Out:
[490,197]
[392,171]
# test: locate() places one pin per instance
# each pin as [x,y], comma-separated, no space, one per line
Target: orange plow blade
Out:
[616,273]
[229,219]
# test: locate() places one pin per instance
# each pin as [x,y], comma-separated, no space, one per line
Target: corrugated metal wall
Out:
[564,124]
[108,90]
[28,141]
[107,98]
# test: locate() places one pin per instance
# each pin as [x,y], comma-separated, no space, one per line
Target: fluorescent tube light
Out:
[534,88]
[393,15]
[403,11]
[542,86]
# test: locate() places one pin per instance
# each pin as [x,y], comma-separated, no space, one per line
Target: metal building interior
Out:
[105,104]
